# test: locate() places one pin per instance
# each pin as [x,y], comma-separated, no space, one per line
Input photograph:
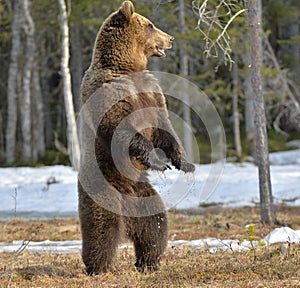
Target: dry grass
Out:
[180,267]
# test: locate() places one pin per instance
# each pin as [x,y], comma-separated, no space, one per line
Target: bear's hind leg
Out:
[149,236]
[148,233]
[100,231]
[99,243]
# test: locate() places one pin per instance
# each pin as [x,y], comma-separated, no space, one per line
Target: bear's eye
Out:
[150,25]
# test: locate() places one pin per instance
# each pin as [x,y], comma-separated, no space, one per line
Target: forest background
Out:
[40,125]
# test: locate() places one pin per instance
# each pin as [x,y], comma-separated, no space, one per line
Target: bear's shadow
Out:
[30,272]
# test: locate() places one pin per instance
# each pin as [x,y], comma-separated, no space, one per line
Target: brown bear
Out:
[124,130]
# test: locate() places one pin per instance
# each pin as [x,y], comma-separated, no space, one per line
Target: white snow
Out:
[61,247]
[25,193]
[213,245]
[285,158]
[283,234]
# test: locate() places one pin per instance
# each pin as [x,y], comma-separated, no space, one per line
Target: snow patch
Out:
[285,158]
[283,235]
[51,192]
[213,245]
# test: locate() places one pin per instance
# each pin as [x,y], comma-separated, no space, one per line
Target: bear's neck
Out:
[118,65]
[119,58]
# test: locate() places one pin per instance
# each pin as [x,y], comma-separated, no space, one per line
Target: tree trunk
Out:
[38,134]
[77,65]
[290,53]
[249,102]
[286,31]
[27,75]
[262,153]
[235,113]
[72,136]
[12,93]
[183,70]
[1,137]
[249,112]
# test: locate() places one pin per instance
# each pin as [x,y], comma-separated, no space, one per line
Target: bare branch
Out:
[212,21]
[226,27]
[9,6]
[281,75]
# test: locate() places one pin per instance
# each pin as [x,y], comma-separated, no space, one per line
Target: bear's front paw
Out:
[187,167]
[184,166]
[155,163]
[159,165]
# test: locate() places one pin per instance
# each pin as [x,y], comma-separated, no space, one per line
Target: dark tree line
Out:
[33,120]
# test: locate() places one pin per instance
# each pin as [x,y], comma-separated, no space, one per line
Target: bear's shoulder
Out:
[111,86]
[94,79]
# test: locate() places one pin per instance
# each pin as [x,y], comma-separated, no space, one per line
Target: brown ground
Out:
[180,267]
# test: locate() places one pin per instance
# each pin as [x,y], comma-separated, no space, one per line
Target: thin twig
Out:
[211,21]
[15,200]
[26,243]
[9,280]
[280,74]
[226,27]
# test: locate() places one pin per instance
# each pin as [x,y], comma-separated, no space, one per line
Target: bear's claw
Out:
[159,166]
[185,167]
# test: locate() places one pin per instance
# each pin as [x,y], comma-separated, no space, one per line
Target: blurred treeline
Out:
[280,22]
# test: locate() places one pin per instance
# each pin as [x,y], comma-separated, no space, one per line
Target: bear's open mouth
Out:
[161,51]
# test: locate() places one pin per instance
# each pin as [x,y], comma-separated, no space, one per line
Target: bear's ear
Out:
[123,15]
[127,9]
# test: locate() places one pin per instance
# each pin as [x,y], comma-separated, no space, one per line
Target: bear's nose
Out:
[172,39]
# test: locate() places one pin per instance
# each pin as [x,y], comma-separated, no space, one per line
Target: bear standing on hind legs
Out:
[124,121]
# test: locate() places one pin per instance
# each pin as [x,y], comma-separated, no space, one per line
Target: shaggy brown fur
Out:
[124,43]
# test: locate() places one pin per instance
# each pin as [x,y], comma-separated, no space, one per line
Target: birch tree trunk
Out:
[262,153]
[12,93]
[187,133]
[72,136]
[27,75]
[38,135]
[235,113]
[77,65]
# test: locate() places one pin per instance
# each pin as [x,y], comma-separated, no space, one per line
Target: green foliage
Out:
[279,9]
[86,16]
[53,157]
[292,40]
[261,243]
[204,149]
[250,232]
[252,238]
[276,141]
[268,72]
[5,21]
[50,157]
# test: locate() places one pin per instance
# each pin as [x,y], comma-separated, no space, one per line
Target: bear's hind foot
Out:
[146,268]
[93,271]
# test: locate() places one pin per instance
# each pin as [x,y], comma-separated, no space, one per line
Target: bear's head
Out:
[126,40]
